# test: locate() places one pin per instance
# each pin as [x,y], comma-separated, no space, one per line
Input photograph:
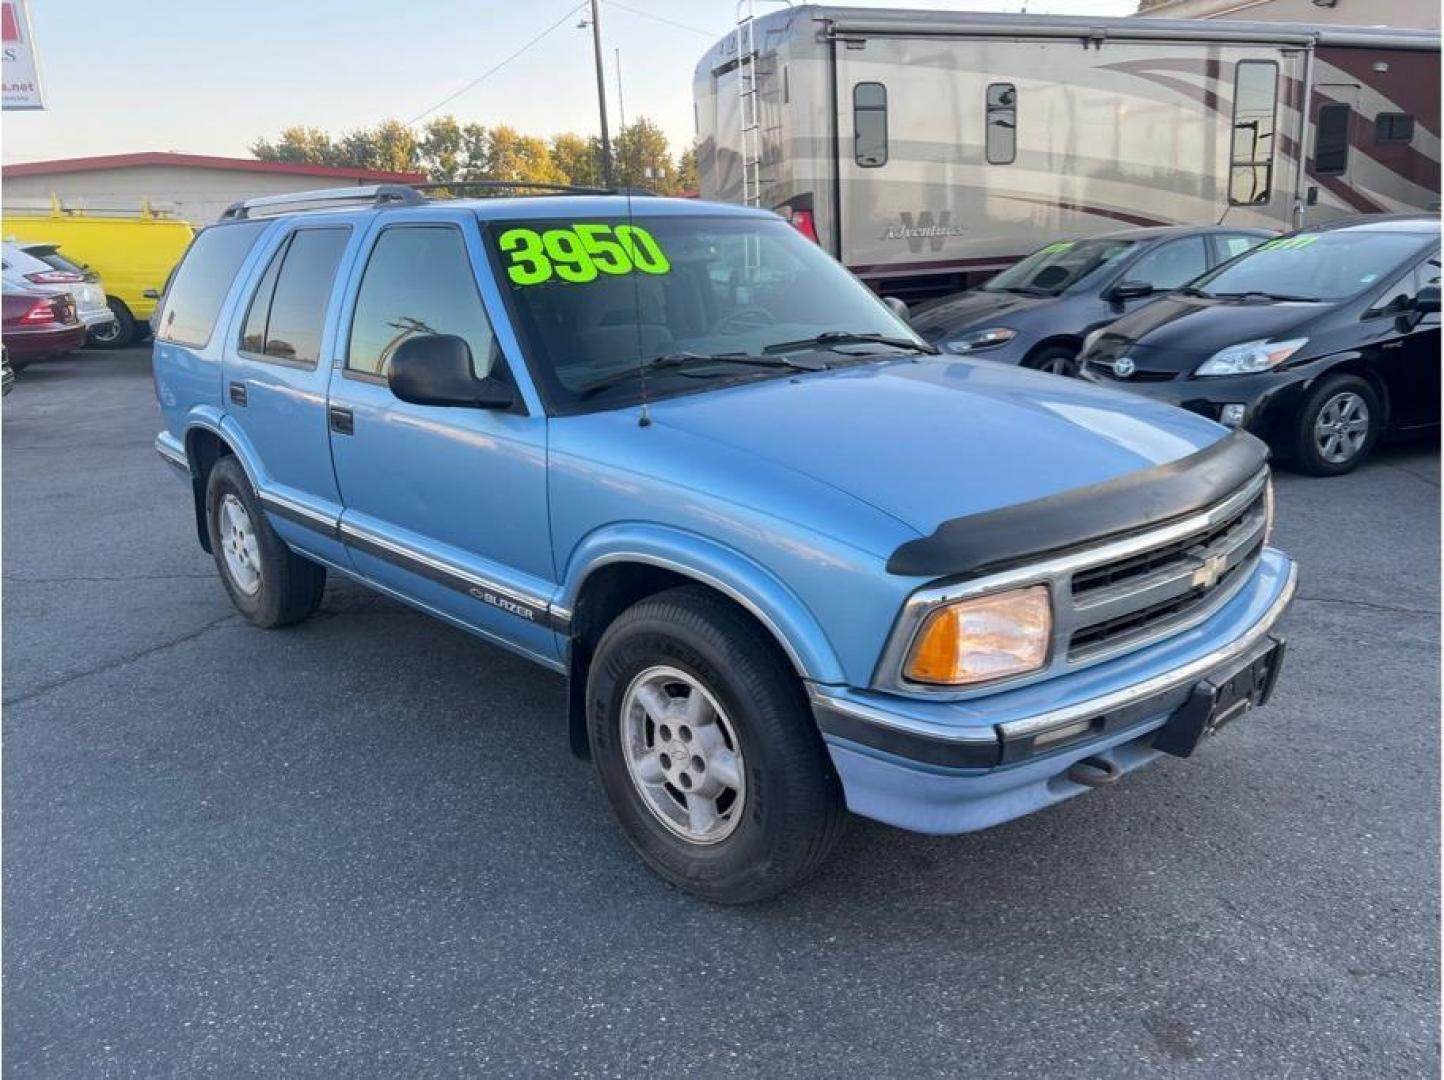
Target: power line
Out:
[495,68]
[663,19]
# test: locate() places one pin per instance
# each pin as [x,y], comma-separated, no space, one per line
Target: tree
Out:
[578,158]
[644,158]
[390,146]
[523,158]
[308,146]
[687,170]
[450,150]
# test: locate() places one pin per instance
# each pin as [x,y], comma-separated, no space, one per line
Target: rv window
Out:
[869,121]
[1393,127]
[1331,140]
[1002,122]
[1255,93]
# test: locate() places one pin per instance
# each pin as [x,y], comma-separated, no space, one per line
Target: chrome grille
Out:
[1145,595]
[1113,596]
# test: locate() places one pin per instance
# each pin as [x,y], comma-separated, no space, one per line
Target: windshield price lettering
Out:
[579,253]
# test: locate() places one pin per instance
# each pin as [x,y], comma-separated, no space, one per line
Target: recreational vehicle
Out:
[927,150]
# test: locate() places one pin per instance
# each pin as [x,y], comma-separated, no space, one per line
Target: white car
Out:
[40,266]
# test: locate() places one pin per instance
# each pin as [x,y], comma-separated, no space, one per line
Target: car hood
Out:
[971,310]
[1180,332]
[936,439]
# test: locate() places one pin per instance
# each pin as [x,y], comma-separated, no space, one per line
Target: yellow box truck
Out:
[133,253]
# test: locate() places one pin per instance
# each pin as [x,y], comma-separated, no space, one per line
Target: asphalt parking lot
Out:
[360,847]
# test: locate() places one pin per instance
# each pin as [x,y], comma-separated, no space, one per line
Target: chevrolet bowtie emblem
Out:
[1207,575]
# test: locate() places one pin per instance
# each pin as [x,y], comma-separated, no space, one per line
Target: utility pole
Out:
[601,94]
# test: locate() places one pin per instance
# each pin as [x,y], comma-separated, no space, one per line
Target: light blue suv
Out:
[791,562]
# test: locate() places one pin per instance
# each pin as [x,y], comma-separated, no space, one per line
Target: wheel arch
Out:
[206,441]
[1073,342]
[1356,365]
[635,563]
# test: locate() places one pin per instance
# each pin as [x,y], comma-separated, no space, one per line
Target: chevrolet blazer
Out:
[792,562]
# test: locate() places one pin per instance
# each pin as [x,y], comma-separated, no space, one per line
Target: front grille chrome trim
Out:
[1240,549]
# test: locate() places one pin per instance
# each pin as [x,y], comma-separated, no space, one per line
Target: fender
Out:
[728,571]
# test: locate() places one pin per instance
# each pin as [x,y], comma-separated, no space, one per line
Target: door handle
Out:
[238,393]
[343,421]
[1392,345]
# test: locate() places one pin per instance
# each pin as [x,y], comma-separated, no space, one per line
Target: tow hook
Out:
[1094,772]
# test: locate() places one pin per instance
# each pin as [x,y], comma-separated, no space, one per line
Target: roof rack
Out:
[378,196]
[375,195]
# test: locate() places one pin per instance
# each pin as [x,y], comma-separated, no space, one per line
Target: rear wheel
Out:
[707,751]
[268,582]
[117,334]
[1338,424]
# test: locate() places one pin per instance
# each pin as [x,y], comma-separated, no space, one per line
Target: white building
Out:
[193,187]
[1412,14]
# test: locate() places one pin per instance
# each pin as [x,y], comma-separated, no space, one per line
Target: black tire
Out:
[1306,453]
[792,813]
[116,335]
[289,586]
[1058,359]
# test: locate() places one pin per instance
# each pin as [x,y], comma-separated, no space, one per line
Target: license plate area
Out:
[1222,698]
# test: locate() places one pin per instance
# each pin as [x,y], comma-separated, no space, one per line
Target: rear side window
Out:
[869,121]
[1255,95]
[288,311]
[1226,246]
[1331,140]
[1393,127]
[1175,263]
[418,280]
[1002,124]
[203,280]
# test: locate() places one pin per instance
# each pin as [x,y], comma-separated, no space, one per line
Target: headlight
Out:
[981,339]
[987,637]
[1091,340]
[1250,357]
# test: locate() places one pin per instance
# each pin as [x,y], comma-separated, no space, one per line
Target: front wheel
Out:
[1056,360]
[707,751]
[268,582]
[1338,424]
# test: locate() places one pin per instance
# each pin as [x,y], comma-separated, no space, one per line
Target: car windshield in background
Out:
[1313,266]
[1050,270]
[599,298]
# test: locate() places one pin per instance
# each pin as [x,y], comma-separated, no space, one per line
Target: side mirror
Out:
[1130,290]
[435,369]
[1427,301]
[897,307]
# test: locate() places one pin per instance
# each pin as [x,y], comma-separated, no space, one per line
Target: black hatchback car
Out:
[1320,341]
[1037,312]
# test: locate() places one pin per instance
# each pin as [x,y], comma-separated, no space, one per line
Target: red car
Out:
[38,326]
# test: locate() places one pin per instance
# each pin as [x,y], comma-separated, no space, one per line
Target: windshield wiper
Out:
[673,360]
[1251,294]
[1027,290]
[846,337]
[1189,290]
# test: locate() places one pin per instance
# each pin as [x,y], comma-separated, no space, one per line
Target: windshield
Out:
[595,298]
[1050,270]
[55,260]
[1313,266]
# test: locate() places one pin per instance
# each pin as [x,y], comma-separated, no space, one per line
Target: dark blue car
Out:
[1038,311]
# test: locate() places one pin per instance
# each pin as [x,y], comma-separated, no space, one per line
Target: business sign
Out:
[20,72]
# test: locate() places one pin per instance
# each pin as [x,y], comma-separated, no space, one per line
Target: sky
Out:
[207,77]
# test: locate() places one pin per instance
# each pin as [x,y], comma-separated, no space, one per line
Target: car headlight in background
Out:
[978,340]
[987,637]
[1250,357]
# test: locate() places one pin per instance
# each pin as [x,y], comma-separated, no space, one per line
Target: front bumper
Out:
[1270,399]
[952,767]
